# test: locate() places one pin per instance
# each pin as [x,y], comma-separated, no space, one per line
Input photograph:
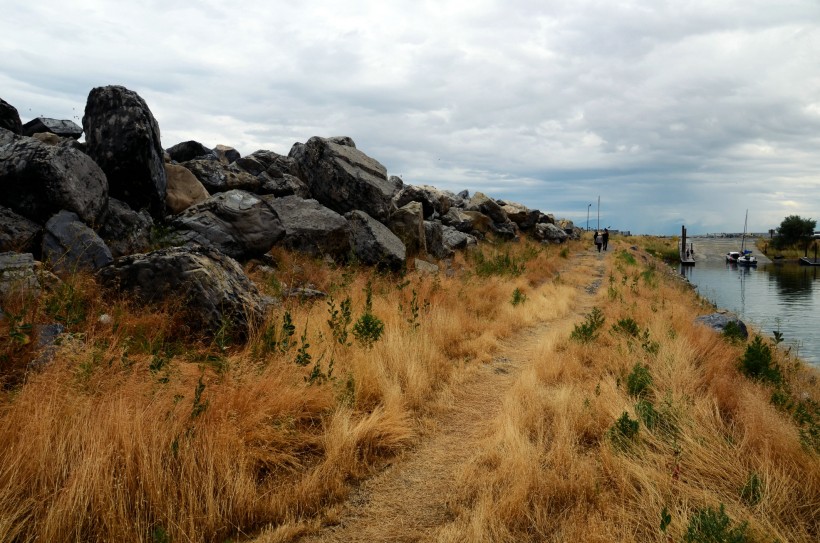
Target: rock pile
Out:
[99,205]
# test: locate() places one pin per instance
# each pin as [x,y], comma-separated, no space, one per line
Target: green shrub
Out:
[627,327]
[638,381]
[498,264]
[340,319]
[733,332]
[587,331]
[368,329]
[647,413]
[518,297]
[625,257]
[757,362]
[710,526]
[623,432]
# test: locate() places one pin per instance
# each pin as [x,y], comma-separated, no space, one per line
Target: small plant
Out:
[777,337]
[623,432]
[340,319]
[564,253]
[369,328]
[317,376]
[413,320]
[638,381]
[19,331]
[288,330]
[498,264]
[66,304]
[627,327]
[626,258]
[733,332]
[647,413]
[752,491]
[587,331]
[303,357]
[757,362]
[711,526]
[518,297]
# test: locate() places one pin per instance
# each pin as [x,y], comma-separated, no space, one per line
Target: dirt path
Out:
[408,501]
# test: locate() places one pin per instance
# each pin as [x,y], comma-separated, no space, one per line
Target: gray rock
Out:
[17,233]
[487,206]
[303,293]
[123,137]
[236,222]
[69,245]
[424,267]
[38,180]
[311,228]
[18,276]
[63,128]
[218,177]
[432,199]
[719,321]
[455,239]
[507,230]
[343,178]
[458,219]
[189,150]
[10,118]
[48,341]
[216,291]
[434,238]
[549,232]
[374,244]
[126,231]
[408,224]
[287,185]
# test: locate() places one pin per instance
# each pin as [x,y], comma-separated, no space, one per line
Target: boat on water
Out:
[744,256]
[806,261]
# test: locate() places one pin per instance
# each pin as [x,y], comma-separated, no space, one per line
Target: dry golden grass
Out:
[549,470]
[139,430]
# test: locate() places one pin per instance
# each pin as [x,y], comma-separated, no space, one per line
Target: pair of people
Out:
[602,239]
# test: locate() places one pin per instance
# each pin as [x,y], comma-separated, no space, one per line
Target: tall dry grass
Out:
[553,468]
[139,429]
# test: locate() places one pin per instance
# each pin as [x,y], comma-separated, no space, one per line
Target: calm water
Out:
[783,297]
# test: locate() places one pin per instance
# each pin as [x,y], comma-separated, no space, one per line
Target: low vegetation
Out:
[628,423]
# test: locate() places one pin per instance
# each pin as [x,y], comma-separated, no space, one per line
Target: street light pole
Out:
[599,213]
[589,206]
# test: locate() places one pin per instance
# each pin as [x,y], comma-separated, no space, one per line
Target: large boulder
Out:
[218,177]
[374,244]
[126,231]
[17,233]
[184,189]
[343,178]
[486,205]
[10,118]
[226,154]
[455,240]
[311,228]
[434,239]
[719,322]
[236,222]
[276,174]
[408,224]
[459,219]
[189,150]
[123,137]
[549,232]
[432,199]
[216,291]
[63,128]
[38,180]
[521,215]
[69,245]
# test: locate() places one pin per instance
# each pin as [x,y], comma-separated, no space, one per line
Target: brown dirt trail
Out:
[408,501]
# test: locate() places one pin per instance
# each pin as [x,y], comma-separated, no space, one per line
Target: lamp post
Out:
[599,213]
[589,206]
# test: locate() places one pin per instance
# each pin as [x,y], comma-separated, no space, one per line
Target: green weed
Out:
[714,526]
[587,331]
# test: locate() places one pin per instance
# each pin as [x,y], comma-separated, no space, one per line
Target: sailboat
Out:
[744,256]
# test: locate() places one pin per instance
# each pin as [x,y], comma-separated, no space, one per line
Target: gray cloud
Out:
[670,111]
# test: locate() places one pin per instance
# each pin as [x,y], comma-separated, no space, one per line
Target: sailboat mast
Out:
[743,239]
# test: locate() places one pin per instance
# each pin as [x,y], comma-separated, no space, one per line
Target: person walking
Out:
[605,238]
[599,240]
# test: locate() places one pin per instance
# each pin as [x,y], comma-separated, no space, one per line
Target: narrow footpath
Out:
[408,501]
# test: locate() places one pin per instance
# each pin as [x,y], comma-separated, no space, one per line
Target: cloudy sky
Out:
[674,112]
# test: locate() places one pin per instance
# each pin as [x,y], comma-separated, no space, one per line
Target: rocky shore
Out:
[180,221]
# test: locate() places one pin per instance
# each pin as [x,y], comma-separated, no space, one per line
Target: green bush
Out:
[368,329]
[587,331]
[627,326]
[623,432]
[710,526]
[518,297]
[638,381]
[752,491]
[498,264]
[647,413]
[733,332]
[757,362]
